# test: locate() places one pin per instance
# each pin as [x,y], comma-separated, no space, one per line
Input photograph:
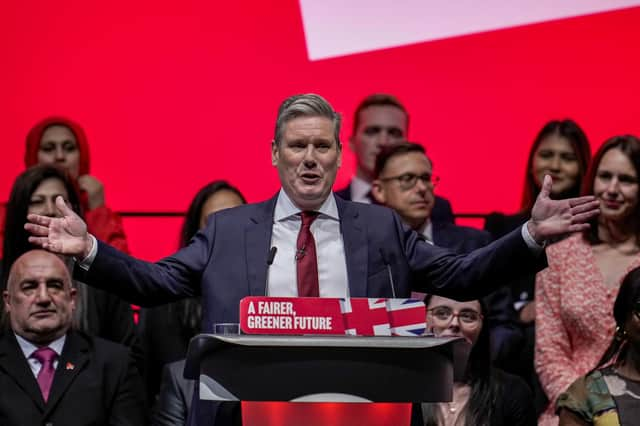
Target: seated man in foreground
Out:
[50,374]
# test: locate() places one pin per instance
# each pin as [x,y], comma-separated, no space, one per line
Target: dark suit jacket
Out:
[96,383]
[228,261]
[460,239]
[442,211]
[164,340]
[174,400]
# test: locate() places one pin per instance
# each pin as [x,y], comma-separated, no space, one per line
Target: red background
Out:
[175,94]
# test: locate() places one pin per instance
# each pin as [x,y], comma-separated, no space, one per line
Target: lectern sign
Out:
[315,315]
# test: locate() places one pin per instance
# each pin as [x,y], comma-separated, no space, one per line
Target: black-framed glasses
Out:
[465,316]
[409,180]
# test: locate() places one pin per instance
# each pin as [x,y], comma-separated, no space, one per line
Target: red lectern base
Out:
[325,413]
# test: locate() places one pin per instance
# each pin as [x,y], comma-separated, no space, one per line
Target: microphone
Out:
[384,259]
[272,255]
[300,253]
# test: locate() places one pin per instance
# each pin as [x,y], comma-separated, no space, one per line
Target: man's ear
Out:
[377,192]
[73,292]
[5,298]
[275,153]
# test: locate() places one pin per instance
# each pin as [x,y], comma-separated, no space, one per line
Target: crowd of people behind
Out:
[563,341]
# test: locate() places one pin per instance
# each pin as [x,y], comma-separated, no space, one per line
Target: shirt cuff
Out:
[529,241]
[519,305]
[85,263]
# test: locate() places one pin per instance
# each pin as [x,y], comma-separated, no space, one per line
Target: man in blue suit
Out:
[404,182]
[355,247]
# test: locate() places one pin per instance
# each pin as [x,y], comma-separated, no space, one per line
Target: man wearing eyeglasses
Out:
[404,181]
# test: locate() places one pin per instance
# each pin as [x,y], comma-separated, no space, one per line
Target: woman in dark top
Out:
[98,313]
[166,330]
[561,150]
[609,395]
[487,396]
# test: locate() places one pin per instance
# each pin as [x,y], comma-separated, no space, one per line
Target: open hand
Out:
[64,235]
[554,218]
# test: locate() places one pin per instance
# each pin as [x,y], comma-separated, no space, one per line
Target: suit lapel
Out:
[74,357]
[354,237]
[258,238]
[14,365]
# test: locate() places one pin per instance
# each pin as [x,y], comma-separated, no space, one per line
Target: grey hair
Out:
[306,105]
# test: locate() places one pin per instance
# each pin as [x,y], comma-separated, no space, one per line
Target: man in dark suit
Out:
[404,181]
[50,375]
[324,246]
[380,120]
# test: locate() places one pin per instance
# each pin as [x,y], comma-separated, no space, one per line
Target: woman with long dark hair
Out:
[609,395]
[487,396]
[575,294]
[166,330]
[97,313]
[561,150]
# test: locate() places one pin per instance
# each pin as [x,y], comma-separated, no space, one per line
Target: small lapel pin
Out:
[70,366]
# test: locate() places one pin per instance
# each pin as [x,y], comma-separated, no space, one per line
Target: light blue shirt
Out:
[29,348]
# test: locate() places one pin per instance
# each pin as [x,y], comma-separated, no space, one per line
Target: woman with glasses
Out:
[487,396]
[576,293]
[609,395]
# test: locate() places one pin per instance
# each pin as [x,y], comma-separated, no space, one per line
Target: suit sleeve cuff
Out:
[529,241]
[85,263]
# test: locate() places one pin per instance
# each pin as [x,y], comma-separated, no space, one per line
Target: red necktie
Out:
[307,262]
[46,356]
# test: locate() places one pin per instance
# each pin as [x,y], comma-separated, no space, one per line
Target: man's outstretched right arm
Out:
[102,266]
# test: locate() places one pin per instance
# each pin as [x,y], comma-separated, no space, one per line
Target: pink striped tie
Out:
[46,356]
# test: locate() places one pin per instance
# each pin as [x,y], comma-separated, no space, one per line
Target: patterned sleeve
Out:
[589,398]
[576,400]
[553,355]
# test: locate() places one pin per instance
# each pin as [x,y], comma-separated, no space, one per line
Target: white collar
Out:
[360,189]
[29,348]
[285,207]
[426,230]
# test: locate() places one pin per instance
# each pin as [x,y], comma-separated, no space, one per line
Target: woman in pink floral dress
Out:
[575,294]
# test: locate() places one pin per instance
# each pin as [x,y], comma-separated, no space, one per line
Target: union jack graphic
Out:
[383,317]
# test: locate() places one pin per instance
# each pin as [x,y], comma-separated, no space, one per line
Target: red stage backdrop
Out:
[175,94]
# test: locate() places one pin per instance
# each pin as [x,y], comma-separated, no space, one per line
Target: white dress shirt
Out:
[360,190]
[332,266]
[29,348]
[427,231]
